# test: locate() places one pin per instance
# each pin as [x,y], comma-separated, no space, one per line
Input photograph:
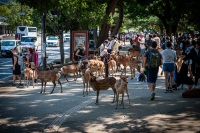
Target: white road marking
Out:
[55,125]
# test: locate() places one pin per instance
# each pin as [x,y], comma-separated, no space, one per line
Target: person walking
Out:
[16,67]
[169,58]
[141,41]
[194,54]
[152,61]
[35,54]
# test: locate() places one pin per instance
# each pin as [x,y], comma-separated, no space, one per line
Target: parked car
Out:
[8,45]
[29,40]
[67,37]
[52,41]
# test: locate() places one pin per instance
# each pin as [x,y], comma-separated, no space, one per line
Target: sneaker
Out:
[153,96]
[13,84]
[170,90]
[166,91]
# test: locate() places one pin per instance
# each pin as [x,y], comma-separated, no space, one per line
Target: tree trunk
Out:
[106,26]
[62,53]
[120,19]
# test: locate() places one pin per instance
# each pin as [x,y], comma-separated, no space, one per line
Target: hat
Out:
[142,33]
[105,41]
[80,44]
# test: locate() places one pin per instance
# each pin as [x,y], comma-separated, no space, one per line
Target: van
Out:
[8,45]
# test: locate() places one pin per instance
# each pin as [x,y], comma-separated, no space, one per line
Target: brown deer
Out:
[121,86]
[73,68]
[86,78]
[134,52]
[102,84]
[132,63]
[28,75]
[47,76]
[112,66]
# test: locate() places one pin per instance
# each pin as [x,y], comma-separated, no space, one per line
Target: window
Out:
[28,39]
[32,30]
[8,43]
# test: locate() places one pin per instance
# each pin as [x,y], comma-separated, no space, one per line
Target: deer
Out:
[86,77]
[47,76]
[102,84]
[28,75]
[73,68]
[134,52]
[120,87]
[112,66]
[132,63]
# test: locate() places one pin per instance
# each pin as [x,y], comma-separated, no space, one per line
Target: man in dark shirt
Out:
[195,56]
[152,73]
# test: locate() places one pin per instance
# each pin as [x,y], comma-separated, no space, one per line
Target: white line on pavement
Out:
[55,125]
[4,62]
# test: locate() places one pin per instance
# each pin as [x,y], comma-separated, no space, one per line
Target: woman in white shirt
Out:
[169,58]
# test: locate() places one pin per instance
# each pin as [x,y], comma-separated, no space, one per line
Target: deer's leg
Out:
[45,83]
[83,88]
[75,76]
[115,93]
[42,87]
[54,85]
[33,82]
[123,99]
[87,88]
[66,78]
[97,99]
[60,86]
[117,99]
[128,96]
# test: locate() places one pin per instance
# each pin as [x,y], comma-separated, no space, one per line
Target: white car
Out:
[8,45]
[52,41]
[67,37]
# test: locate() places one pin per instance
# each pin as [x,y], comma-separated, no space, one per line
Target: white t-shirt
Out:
[142,46]
[104,52]
[110,45]
[102,47]
[168,55]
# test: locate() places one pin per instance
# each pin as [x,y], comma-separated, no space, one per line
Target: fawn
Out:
[28,75]
[121,86]
[86,78]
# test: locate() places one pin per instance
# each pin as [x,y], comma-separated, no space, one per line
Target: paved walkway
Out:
[168,113]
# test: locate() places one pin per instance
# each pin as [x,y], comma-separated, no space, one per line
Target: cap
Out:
[80,44]
[105,41]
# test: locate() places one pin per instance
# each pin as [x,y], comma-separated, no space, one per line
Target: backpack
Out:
[76,58]
[20,59]
[154,60]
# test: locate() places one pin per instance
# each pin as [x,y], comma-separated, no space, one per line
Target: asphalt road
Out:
[53,53]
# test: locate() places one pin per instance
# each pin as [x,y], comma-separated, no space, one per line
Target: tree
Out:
[169,12]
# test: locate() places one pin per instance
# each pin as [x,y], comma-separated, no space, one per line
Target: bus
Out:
[27,31]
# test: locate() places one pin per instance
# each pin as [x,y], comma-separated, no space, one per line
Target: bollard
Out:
[106,67]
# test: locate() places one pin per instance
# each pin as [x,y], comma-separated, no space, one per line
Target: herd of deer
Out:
[94,67]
